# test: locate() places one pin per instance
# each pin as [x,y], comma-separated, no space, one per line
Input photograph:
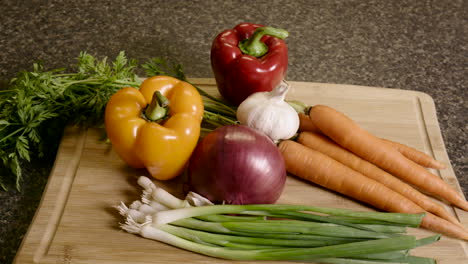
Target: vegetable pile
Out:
[272,231]
[318,144]
[37,105]
[236,151]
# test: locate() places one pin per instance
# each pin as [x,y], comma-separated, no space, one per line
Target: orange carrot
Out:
[320,169]
[326,146]
[351,136]
[305,124]
[421,158]
[417,156]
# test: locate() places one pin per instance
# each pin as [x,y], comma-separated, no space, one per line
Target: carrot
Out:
[320,169]
[305,124]
[351,136]
[417,156]
[326,146]
[421,158]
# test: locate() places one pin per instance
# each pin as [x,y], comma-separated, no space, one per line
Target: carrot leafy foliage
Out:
[37,104]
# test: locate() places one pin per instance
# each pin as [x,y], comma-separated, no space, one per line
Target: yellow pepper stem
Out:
[158,108]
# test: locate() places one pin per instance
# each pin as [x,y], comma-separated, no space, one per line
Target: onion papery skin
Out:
[237,164]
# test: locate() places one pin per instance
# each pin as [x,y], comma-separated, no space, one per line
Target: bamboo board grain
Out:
[75,221]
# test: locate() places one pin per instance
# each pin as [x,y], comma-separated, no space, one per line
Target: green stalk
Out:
[212,227]
[427,240]
[234,245]
[205,131]
[99,81]
[399,254]
[93,81]
[319,218]
[237,240]
[229,218]
[208,106]
[417,260]
[404,260]
[301,228]
[343,250]
[220,119]
[302,237]
[209,96]
[66,74]
[215,227]
[12,134]
[386,228]
[395,256]
[358,220]
[220,106]
[353,261]
[212,123]
[173,215]
[127,83]
[355,249]
[158,108]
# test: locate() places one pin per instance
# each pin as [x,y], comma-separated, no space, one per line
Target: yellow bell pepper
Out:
[162,146]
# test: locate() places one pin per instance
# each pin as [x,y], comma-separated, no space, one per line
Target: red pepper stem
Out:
[254,47]
[158,108]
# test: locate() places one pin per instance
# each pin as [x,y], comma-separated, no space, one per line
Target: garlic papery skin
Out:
[269,113]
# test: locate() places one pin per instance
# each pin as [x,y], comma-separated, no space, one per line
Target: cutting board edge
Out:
[55,184]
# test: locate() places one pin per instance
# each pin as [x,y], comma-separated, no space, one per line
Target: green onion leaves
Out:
[37,105]
[274,231]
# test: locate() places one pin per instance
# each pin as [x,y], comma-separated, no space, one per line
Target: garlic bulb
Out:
[269,113]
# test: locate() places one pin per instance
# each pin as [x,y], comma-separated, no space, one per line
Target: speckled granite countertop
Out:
[412,45]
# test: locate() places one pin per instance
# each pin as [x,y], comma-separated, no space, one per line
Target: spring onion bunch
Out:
[272,231]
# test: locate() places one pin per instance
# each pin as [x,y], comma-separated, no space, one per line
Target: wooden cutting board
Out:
[76,221]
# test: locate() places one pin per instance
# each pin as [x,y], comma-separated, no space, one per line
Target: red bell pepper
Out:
[248,58]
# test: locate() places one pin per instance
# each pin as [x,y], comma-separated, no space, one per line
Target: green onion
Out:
[357,220]
[229,218]
[386,255]
[165,217]
[273,232]
[404,260]
[157,232]
[226,240]
[220,229]
[356,261]
[417,260]
[308,228]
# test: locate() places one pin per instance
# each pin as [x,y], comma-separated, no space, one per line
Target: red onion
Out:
[237,165]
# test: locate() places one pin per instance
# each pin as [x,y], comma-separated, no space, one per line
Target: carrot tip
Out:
[441,165]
